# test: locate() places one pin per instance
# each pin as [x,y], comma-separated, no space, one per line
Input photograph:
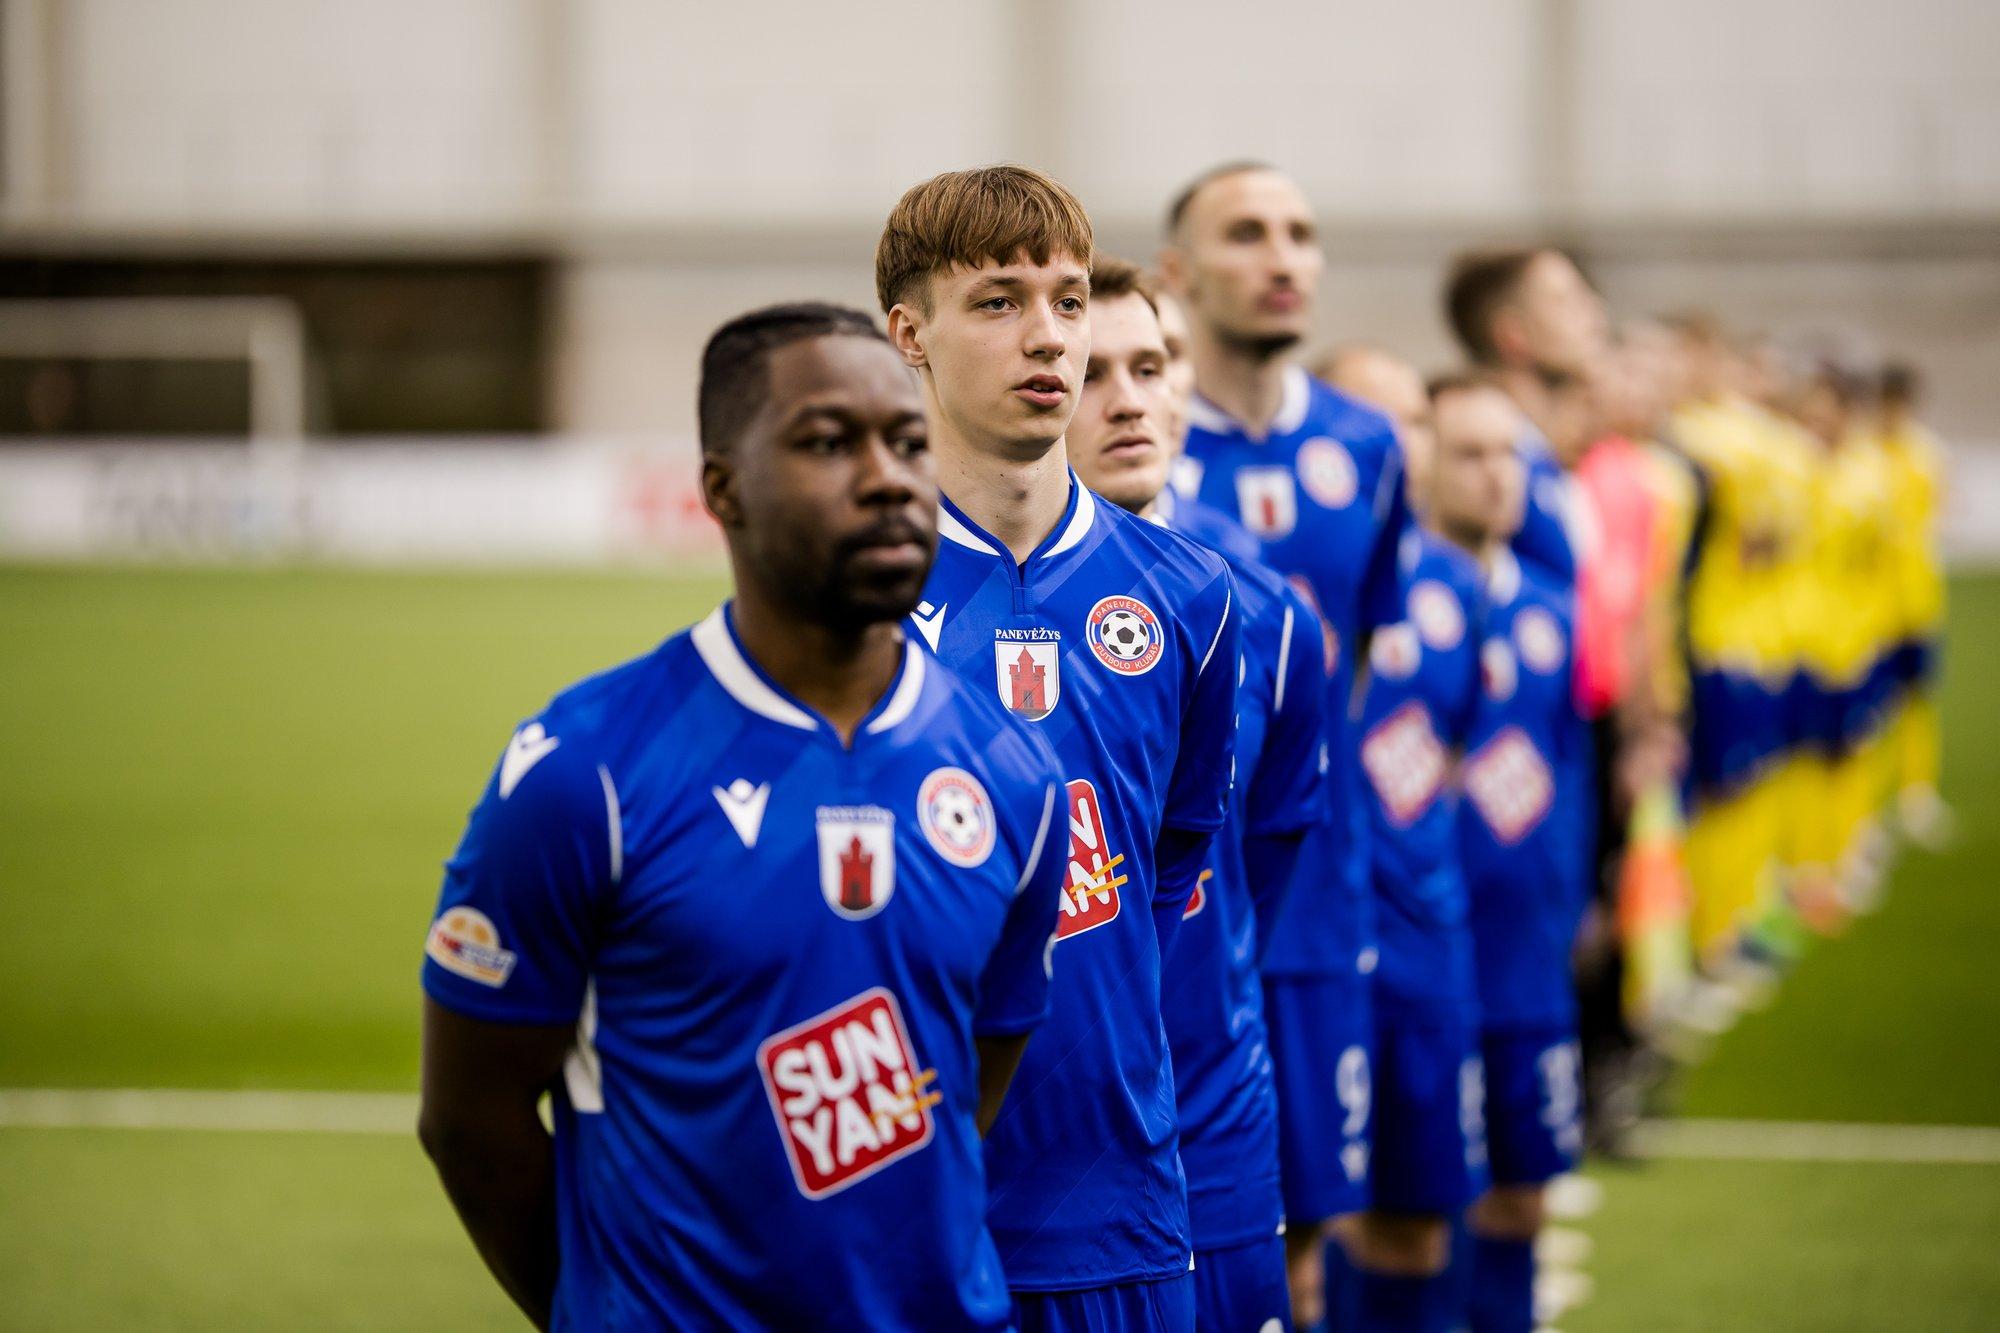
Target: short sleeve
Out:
[1288,789]
[1381,591]
[514,933]
[1198,791]
[1014,988]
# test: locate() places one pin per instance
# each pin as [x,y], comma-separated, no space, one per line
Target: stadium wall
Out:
[501,503]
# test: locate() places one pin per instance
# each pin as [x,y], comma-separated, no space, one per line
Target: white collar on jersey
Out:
[1503,578]
[716,643]
[956,529]
[1291,415]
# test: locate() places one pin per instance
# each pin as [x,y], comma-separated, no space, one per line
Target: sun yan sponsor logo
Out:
[1090,894]
[847,1093]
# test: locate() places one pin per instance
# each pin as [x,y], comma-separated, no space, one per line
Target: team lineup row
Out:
[1200,767]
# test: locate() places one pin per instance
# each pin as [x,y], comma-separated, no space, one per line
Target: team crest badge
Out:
[1509,785]
[1496,670]
[464,941]
[1394,653]
[846,1092]
[857,859]
[1125,635]
[1434,610]
[1090,894]
[1406,763]
[1027,665]
[956,817]
[1267,501]
[1540,640]
[1327,472]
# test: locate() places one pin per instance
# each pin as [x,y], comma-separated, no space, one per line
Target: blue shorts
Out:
[1241,1288]
[1141,1307]
[1430,1137]
[1320,1030]
[1533,1097]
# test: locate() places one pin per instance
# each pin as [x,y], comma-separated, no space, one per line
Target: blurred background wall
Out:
[511,217]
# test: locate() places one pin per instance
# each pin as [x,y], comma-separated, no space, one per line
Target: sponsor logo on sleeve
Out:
[1090,892]
[1267,501]
[1125,635]
[1327,472]
[1510,785]
[464,941]
[956,816]
[857,859]
[1027,666]
[1406,763]
[846,1092]
[1435,611]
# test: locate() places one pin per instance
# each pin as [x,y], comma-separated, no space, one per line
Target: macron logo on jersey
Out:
[930,622]
[744,804]
[531,744]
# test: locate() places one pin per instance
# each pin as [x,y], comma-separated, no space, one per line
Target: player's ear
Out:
[718,489]
[906,335]
[1172,266]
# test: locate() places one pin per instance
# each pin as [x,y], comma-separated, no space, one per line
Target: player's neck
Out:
[1247,384]
[841,674]
[1017,500]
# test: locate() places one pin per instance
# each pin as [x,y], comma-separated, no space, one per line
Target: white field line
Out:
[396,1113]
[1817,1141]
[164,1108]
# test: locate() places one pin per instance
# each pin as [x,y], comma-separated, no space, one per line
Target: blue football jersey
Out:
[1322,491]
[1118,641]
[1520,865]
[1416,712]
[1213,1001]
[1547,537]
[777,950]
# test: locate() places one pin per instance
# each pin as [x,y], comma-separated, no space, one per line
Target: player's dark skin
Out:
[829,507]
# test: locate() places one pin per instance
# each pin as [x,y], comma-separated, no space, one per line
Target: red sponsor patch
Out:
[1090,894]
[1199,898]
[847,1093]
[1406,762]
[1510,785]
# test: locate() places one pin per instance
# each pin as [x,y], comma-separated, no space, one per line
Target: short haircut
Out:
[1112,277]
[1900,383]
[963,219]
[1177,210]
[1461,381]
[1478,285]
[735,365]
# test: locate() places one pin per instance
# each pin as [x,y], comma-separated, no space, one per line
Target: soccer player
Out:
[1314,476]
[1213,1002]
[1526,900]
[1117,640]
[1532,320]
[1416,712]
[765,912]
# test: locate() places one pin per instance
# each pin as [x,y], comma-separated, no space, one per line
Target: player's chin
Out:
[866,596]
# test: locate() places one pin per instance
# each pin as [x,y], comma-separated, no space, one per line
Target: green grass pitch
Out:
[226,802]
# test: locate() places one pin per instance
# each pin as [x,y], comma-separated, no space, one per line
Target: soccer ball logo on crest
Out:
[1125,635]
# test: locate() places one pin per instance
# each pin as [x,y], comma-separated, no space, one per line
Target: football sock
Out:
[1503,1285]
